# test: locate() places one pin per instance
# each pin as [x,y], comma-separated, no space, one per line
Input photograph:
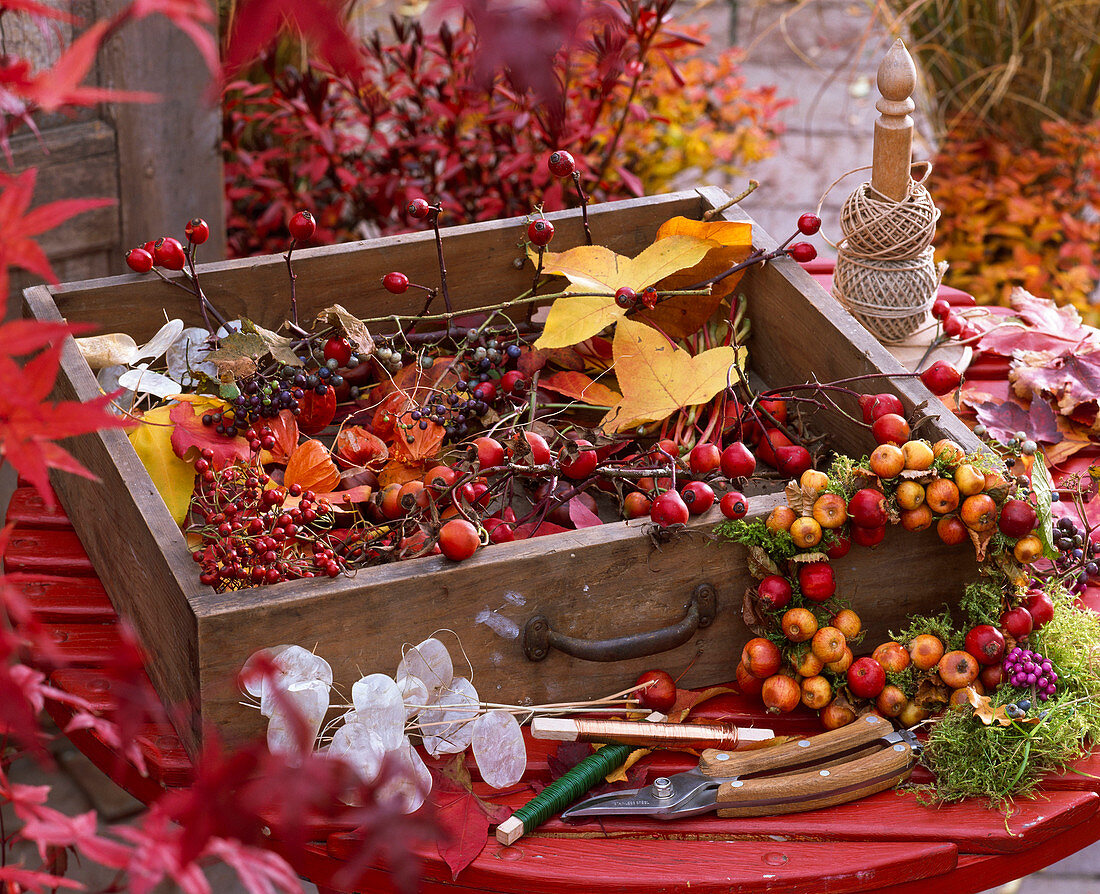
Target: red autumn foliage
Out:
[1013,215]
[243,800]
[425,119]
[29,423]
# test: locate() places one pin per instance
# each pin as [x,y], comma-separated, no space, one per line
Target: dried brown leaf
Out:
[760,563]
[354,329]
[753,614]
[800,499]
[809,557]
[932,693]
[980,541]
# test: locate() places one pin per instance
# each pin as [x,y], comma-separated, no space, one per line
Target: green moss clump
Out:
[981,602]
[905,680]
[998,762]
[940,626]
[779,545]
[841,477]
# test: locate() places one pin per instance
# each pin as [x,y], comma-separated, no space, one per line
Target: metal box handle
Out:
[539,637]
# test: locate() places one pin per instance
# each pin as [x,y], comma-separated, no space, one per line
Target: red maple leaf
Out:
[39,10]
[321,23]
[463,817]
[59,85]
[29,423]
[18,225]
[190,432]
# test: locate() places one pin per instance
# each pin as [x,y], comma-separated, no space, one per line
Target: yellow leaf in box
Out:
[593,268]
[731,243]
[658,379]
[173,478]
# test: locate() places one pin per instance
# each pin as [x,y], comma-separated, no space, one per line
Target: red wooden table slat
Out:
[167,762]
[89,645]
[66,599]
[977,872]
[27,506]
[50,551]
[900,817]
[541,865]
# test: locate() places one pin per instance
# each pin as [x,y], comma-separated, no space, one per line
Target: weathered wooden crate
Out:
[593,584]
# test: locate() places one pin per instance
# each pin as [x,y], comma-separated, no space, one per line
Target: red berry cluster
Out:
[249,536]
[628,299]
[954,325]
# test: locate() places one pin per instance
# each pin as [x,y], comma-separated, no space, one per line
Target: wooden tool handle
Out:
[814,789]
[647,735]
[893,145]
[803,752]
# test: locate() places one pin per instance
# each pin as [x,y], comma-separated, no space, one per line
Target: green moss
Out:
[779,545]
[841,479]
[940,626]
[981,602]
[997,762]
[905,680]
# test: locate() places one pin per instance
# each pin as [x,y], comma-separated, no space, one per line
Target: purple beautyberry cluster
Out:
[1025,668]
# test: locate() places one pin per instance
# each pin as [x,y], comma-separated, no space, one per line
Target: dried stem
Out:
[293,277]
[583,196]
[442,265]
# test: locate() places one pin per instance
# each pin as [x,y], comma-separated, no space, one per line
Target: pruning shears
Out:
[835,767]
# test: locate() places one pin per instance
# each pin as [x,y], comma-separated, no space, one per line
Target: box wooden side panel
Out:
[799,331]
[135,546]
[620,583]
[485,264]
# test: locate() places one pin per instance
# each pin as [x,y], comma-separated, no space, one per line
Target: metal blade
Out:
[667,797]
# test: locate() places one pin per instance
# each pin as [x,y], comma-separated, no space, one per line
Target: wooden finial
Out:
[893,153]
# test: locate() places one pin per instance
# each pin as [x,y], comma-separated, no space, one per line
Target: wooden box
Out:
[595,583]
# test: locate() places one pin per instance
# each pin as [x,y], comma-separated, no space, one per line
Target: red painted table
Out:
[887,841]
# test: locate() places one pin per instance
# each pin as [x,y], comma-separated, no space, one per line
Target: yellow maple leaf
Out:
[594,268]
[731,243]
[173,478]
[658,379]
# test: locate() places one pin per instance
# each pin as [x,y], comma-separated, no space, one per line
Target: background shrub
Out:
[641,106]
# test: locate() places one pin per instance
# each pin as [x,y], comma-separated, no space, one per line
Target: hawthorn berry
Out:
[659,693]
[395,282]
[168,253]
[626,297]
[418,209]
[139,260]
[809,223]
[338,349]
[941,307]
[941,378]
[302,226]
[952,325]
[669,509]
[540,232]
[699,497]
[734,505]
[510,380]
[197,231]
[802,252]
[458,539]
[561,163]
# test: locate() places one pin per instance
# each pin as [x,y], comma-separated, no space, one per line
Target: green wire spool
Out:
[562,792]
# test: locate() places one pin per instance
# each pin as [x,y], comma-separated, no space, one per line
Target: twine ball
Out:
[874,226]
[885,274]
[890,298]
